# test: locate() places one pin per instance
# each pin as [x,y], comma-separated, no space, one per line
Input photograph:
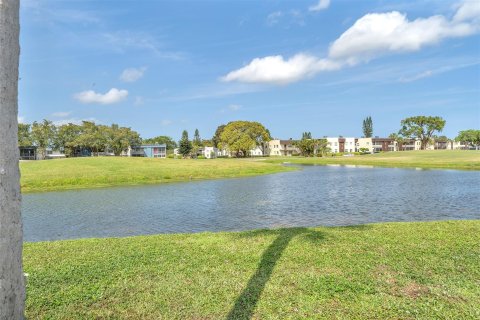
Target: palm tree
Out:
[12,288]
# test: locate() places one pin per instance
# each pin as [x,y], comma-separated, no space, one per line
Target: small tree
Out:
[242,136]
[367,127]
[185,146]
[421,127]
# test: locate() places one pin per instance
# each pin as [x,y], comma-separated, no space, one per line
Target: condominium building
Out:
[376,144]
[279,147]
[341,144]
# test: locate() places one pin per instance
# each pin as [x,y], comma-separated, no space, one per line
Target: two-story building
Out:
[148,150]
[341,144]
[277,147]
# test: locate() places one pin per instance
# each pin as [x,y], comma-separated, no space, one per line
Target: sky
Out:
[322,66]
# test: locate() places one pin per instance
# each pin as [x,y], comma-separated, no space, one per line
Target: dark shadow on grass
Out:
[247,301]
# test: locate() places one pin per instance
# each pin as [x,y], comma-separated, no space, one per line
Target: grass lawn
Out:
[78,173]
[440,159]
[382,271]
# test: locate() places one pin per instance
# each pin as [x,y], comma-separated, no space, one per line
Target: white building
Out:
[341,144]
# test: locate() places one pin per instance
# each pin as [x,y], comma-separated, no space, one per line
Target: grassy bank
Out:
[396,270]
[439,159]
[78,173]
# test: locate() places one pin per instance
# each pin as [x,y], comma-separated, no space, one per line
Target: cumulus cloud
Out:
[132,74]
[276,69]
[371,36]
[112,96]
[321,5]
[377,34]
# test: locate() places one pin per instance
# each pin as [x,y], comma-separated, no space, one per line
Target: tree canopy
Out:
[239,137]
[421,127]
[471,136]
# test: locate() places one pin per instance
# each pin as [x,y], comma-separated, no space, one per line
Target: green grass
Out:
[437,159]
[79,173]
[379,271]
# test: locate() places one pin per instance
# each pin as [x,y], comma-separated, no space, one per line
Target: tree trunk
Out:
[12,287]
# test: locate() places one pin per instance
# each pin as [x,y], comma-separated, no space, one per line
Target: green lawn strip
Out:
[394,270]
[80,173]
[434,159]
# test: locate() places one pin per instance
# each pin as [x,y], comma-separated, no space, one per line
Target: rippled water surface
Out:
[316,195]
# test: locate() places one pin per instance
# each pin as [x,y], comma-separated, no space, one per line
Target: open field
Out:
[94,172]
[394,270]
[440,159]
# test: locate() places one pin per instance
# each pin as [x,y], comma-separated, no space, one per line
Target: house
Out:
[341,144]
[28,153]
[277,147]
[377,144]
[148,150]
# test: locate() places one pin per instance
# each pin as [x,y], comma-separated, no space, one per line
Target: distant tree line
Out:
[73,138]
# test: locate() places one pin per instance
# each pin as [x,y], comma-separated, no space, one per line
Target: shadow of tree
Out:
[247,301]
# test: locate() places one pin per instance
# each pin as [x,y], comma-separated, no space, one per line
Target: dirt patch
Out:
[414,290]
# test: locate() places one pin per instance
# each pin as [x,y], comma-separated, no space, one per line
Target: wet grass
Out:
[379,271]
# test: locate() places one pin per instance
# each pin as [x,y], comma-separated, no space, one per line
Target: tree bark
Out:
[12,287]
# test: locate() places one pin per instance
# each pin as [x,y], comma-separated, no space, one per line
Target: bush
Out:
[171,156]
[201,157]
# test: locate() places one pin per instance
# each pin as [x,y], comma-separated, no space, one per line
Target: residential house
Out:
[148,150]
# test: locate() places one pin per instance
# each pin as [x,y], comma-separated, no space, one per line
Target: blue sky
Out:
[322,66]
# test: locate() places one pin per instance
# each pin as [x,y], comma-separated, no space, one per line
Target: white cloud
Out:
[21,119]
[468,10]
[61,114]
[377,34]
[74,121]
[321,5]
[274,17]
[112,96]
[166,122]
[419,76]
[371,36]
[132,74]
[277,70]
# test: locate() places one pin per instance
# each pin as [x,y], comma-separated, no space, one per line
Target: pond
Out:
[313,196]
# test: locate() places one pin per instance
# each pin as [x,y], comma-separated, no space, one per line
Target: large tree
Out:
[184,145]
[367,127]
[12,287]
[171,144]
[239,137]
[120,138]
[422,128]
[65,138]
[471,137]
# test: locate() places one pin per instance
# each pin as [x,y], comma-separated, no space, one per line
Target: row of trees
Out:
[72,138]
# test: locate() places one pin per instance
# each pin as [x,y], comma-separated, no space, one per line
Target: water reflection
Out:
[316,195]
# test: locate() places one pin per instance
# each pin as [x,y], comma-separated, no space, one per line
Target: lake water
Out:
[313,196]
